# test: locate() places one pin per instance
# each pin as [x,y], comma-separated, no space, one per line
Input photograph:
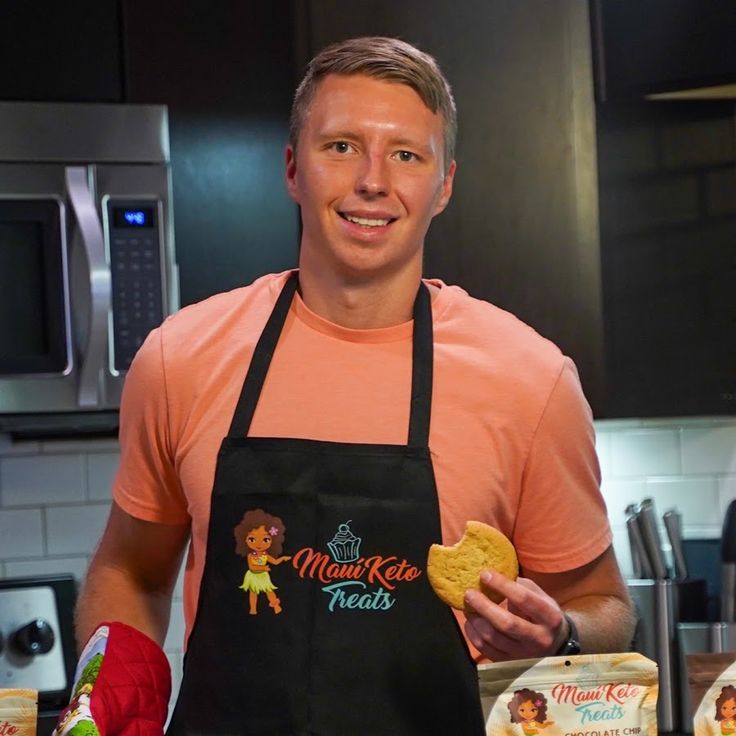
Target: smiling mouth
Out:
[367,221]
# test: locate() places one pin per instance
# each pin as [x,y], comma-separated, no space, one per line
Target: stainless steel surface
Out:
[82,132]
[24,601]
[673,524]
[656,603]
[89,231]
[648,525]
[18,668]
[121,152]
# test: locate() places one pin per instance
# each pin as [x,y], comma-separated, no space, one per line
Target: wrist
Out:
[569,642]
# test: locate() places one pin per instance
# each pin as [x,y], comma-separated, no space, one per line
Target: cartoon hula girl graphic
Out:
[529,709]
[257,535]
[726,710]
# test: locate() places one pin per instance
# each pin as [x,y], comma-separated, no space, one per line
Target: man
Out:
[380,412]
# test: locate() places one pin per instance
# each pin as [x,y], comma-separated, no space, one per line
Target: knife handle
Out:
[648,525]
[639,557]
[673,525]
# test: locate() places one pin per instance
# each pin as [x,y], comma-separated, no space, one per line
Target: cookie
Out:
[453,570]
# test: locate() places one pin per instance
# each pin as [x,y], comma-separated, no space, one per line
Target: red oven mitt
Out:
[122,686]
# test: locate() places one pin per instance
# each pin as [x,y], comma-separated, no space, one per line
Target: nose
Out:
[373,178]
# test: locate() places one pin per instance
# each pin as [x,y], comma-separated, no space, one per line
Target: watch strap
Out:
[571,645]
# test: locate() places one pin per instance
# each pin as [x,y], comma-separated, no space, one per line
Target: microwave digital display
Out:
[134,217]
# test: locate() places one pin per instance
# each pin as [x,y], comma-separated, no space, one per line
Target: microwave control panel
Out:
[137,283]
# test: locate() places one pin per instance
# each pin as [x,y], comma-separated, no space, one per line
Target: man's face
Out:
[368,174]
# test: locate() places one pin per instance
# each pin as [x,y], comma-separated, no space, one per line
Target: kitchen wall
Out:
[54,496]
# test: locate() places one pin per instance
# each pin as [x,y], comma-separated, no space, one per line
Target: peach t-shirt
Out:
[511,435]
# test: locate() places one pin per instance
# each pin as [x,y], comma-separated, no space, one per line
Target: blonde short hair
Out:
[388,59]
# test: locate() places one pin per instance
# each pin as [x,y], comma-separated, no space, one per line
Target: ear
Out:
[291,183]
[446,192]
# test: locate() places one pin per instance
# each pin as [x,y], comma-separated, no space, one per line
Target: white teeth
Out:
[366,221]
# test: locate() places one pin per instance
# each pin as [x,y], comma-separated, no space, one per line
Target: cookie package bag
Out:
[712,685]
[18,712]
[581,695]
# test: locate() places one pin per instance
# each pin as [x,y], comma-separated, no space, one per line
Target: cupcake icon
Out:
[345,546]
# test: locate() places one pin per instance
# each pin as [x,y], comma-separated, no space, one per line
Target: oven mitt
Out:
[121,687]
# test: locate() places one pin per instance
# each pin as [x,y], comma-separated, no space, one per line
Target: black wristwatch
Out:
[572,644]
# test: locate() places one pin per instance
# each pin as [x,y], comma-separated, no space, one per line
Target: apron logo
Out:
[259,537]
[352,581]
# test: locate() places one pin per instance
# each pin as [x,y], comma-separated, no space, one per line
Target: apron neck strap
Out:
[421,379]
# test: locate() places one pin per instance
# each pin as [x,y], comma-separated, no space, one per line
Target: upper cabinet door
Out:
[646,47]
[61,51]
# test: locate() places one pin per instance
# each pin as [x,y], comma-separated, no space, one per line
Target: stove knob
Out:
[36,637]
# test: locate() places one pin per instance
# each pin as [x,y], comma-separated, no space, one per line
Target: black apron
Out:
[347,638]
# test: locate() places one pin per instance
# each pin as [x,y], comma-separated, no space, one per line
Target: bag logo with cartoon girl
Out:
[529,709]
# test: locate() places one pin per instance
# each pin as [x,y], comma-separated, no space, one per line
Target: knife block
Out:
[660,606]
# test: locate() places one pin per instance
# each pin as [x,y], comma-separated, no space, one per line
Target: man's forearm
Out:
[604,623]
[111,594]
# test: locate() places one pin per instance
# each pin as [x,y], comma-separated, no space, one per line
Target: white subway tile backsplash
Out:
[101,469]
[76,566]
[21,534]
[175,635]
[176,662]
[695,498]
[179,587]
[603,450]
[726,491]
[709,450]
[31,480]
[619,494]
[80,445]
[643,453]
[75,529]
[702,532]
[623,552]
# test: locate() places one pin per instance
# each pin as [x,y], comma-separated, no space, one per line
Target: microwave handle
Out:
[90,228]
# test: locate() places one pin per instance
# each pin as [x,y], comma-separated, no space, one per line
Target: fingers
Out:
[525,597]
[526,627]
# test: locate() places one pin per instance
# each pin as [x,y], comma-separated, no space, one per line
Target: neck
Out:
[360,304]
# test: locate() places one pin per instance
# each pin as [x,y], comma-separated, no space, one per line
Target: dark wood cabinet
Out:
[61,51]
[226,71]
[667,177]
[645,47]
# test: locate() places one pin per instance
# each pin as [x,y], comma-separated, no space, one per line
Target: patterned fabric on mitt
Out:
[122,686]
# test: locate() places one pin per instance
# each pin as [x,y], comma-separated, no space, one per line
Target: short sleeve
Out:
[562,522]
[146,485]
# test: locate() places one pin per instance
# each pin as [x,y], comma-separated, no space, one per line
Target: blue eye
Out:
[406,156]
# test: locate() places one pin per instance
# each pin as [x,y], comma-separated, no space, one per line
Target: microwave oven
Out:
[87,260]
